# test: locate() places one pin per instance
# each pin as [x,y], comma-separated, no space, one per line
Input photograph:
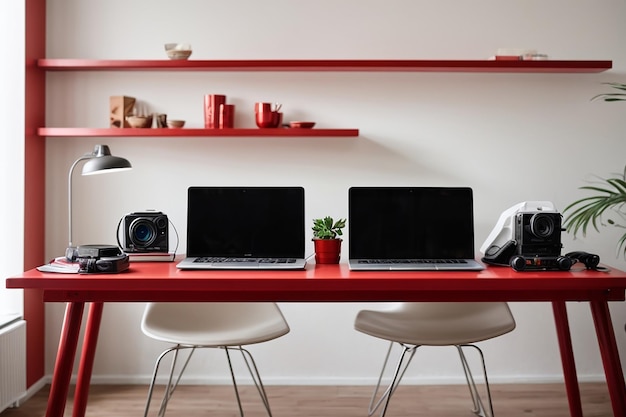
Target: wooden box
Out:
[120,107]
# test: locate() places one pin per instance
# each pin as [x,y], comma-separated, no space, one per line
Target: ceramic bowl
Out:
[178,50]
[175,124]
[139,121]
[302,125]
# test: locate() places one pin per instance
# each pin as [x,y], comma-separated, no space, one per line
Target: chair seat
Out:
[437,324]
[214,324]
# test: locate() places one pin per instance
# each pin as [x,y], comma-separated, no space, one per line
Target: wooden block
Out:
[120,107]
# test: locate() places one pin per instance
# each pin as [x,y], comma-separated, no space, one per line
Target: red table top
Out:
[162,281]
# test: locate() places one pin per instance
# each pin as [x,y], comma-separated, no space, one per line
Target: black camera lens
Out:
[142,232]
[542,225]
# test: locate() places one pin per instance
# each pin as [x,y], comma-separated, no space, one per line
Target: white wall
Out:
[12,154]
[512,137]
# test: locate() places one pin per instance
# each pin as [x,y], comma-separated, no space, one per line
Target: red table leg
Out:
[65,359]
[86,359]
[567,358]
[610,356]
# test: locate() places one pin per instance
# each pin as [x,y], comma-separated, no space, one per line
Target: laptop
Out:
[411,228]
[245,228]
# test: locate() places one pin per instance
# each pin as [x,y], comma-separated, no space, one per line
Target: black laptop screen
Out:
[245,222]
[410,222]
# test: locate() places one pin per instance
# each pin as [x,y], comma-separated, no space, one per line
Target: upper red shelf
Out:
[164,132]
[327,65]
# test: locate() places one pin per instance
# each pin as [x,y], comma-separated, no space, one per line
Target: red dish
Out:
[302,125]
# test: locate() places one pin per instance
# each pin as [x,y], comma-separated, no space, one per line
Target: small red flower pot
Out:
[327,251]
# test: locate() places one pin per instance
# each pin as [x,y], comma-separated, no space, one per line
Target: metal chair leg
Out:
[170,387]
[406,356]
[256,378]
[173,384]
[479,408]
[232,376]
[254,373]
[401,367]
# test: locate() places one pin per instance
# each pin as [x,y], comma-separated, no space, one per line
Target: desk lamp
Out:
[100,161]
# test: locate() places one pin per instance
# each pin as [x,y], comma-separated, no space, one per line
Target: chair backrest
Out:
[213,324]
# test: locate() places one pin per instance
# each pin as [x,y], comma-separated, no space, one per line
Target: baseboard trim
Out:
[333,381]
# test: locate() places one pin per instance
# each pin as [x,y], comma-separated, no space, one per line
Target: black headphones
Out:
[590,260]
[107,264]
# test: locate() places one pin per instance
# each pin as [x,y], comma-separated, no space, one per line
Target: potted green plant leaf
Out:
[609,197]
[326,240]
[596,210]
[613,96]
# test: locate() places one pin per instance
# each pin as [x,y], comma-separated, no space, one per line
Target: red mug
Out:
[212,104]
[262,107]
[227,116]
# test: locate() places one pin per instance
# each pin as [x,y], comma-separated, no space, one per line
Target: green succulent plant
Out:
[607,207]
[327,228]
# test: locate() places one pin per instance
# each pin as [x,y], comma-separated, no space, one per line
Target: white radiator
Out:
[12,363]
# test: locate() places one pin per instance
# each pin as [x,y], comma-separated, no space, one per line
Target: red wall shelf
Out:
[548,66]
[164,132]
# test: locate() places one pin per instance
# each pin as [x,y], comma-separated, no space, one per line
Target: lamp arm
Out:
[69,193]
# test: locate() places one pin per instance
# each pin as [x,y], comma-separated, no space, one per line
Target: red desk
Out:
[326,283]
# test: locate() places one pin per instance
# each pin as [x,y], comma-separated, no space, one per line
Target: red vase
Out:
[327,251]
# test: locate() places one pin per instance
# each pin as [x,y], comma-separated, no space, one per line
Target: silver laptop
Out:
[245,228]
[411,228]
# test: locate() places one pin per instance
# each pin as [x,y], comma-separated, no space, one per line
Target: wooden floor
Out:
[322,401]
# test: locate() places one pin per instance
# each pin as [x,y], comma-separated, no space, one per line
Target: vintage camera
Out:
[145,232]
[527,237]
[538,233]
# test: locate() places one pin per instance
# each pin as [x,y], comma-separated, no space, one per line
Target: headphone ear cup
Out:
[112,264]
[564,263]
[590,260]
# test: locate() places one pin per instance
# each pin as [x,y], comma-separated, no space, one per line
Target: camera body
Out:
[527,237]
[538,233]
[145,232]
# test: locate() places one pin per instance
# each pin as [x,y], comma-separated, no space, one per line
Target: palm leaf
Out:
[588,211]
[613,96]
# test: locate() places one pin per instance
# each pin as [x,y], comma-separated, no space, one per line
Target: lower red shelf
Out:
[165,132]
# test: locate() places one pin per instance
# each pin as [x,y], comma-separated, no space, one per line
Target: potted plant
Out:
[327,244]
[609,197]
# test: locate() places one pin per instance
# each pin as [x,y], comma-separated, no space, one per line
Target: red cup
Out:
[277,118]
[264,116]
[262,107]
[268,119]
[212,104]
[264,119]
[227,116]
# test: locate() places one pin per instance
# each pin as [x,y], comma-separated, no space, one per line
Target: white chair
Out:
[412,325]
[228,326]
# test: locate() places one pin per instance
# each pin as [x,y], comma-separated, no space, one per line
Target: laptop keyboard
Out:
[214,260]
[412,261]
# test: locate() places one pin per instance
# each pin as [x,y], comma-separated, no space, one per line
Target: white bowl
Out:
[178,50]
